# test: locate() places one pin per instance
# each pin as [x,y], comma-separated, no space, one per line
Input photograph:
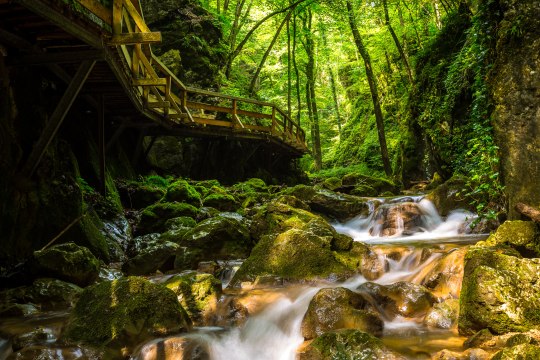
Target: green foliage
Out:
[156,181]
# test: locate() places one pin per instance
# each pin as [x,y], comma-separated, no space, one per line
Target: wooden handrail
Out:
[162,92]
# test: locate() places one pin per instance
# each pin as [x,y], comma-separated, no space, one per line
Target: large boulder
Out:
[138,196]
[156,255]
[522,351]
[154,217]
[342,207]
[221,237]
[122,313]
[347,344]
[52,294]
[500,292]
[198,294]
[401,298]
[299,253]
[172,348]
[443,315]
[69,262]
[524,236]
[397,219]
[339,308]
[448,196]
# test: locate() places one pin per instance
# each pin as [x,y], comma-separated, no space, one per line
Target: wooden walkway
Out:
[104,55]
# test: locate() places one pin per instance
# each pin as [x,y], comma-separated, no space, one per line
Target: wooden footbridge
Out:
[102,50]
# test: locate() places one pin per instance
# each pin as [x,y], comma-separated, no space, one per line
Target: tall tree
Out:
[404,56]
[372,87]
[311,100]
[296,73]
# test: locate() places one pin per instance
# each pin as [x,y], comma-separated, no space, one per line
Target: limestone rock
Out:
[500,292]
[443,315]
[154,217]
[339,308]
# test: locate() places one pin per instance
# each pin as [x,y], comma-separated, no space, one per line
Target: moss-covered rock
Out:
[303,252]
[519,352]
[339,308]
[401,298]
[448,197]
[52,294]
[469,354]
[523,236]
[339,206]
[158,255]
[154,217]
[69,262]
[380,185]
[123,313]
[197,293]
[332,183]
[138,196]
[181,191]
[217,238]
[443,315]
[364,190]
[222,202]
[500,292]
[347,344]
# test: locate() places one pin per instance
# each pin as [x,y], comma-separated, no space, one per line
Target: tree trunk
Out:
[289,79]
[265,56]
[373,88]
[297,75]
[396,41]
[310,94]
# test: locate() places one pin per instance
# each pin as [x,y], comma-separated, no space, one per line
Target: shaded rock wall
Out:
[515,86]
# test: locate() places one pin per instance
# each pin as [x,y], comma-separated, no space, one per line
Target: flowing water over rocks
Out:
[409,301]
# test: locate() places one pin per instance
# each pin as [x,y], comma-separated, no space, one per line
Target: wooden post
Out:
[274,123]
[117,17]
[57,117]
[101,145]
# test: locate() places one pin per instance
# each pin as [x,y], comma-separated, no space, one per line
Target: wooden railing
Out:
[160,91]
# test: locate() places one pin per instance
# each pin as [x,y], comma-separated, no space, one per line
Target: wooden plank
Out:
[98,9]
[208,107]
[139,21]
[213,122]
[166,70]
[117,17]
[158,104]
[75,28]
[57,117]
[135,38]
[144,61]
[149,82]
[254,114]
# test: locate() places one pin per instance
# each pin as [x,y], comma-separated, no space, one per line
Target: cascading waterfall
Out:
[273,333]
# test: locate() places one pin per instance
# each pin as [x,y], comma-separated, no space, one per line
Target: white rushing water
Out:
[274,332]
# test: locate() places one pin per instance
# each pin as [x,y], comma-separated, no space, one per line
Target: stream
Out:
[430,252]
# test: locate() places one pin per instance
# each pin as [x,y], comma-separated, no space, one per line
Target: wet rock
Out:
[396,219]
[197,293]
[69,262]
[181,191]
[342,242]
[332,183]
[173,348]
[364,190]
[469,354]
[342,207]
[17,310]
[158,255]
[154,217]
[523,236]
[222,202]
[36,336]
[401,298]
[523,351]
[52,294]
[339,308]
[443,315]
[447,275]
[123,313]
[380,185]
[500,292]
[484,339]
[362,260]
[347,344]
[56,353]
[301,253]
[447,197]
[220,237]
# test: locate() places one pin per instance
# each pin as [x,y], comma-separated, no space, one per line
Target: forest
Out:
[270,180]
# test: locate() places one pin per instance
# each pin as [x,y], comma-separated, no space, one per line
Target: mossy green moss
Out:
[198,293]
[519,352]
[522,235]
[182,191]
[68,262]
[154,217]
[125,312]
[332,183]
[346,344]
[223,202]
